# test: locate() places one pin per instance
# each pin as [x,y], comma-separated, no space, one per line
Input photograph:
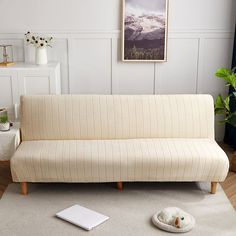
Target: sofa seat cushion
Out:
[119,160]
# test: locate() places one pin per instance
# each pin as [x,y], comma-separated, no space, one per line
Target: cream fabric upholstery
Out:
[99,138]
[66,117]
[115,160]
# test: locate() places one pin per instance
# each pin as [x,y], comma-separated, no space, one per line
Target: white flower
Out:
[28,38]
[38,41]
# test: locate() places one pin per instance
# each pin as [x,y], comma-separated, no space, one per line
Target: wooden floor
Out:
[229,185]
[5,176]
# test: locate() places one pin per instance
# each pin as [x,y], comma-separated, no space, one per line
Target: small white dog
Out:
[174,216]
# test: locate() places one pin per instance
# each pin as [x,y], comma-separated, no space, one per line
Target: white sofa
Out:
[116,138]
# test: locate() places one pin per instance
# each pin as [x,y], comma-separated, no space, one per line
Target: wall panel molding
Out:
[110,33]
[192,59]
[179,74]
[90,65]
[60,52]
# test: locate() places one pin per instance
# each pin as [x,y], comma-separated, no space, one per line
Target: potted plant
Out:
[4,123]
[222,104]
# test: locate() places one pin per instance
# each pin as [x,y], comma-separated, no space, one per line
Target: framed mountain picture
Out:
[144,30]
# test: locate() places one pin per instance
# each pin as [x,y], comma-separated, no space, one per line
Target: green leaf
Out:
[232,119]
[223,73]
[219,103]
[4,119]
[222,105]
[232,80]
[226,103]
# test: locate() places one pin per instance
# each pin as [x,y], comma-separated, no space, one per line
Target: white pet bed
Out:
[171,228]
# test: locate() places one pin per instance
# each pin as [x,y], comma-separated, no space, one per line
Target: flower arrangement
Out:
[38,41]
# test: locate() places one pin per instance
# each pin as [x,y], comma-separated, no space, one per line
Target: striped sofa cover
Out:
[115,138]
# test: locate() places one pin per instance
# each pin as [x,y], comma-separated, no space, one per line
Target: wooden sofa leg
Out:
[213,187]
[24,189]
[119,186]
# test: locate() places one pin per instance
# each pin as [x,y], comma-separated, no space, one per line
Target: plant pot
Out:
[4,126]
[3,112]
[41,57]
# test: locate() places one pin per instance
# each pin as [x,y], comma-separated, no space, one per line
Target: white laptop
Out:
[82,217]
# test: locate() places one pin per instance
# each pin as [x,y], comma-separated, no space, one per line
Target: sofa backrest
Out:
[59,117]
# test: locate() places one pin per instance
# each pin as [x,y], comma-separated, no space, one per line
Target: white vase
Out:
[4,126]
[41,57]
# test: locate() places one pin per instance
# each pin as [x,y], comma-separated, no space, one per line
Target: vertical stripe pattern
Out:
[86,117]
[116,160]
[99,138]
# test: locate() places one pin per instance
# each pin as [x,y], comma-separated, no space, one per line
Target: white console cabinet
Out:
[27,79]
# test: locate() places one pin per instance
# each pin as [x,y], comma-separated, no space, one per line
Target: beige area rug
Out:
[130,211]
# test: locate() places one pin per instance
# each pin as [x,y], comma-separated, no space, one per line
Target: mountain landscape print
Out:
[145,30]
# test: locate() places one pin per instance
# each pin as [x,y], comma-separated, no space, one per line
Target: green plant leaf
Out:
[232,80]
[222,105]
[4,119]
[219,103]
[232,119]
[223,73]
[226,103]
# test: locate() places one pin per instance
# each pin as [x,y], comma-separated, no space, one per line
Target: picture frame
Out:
[144,30]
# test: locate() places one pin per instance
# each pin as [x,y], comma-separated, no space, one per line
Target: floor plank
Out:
[5,176]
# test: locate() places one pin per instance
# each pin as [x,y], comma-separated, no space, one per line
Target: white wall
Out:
[87,43]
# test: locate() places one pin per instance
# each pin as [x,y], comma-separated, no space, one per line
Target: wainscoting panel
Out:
[8,87]
[91,63]
[179,74]
[5,91]
[130,77]
[36,85]
[215,53]
[59,52]
[90,66]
